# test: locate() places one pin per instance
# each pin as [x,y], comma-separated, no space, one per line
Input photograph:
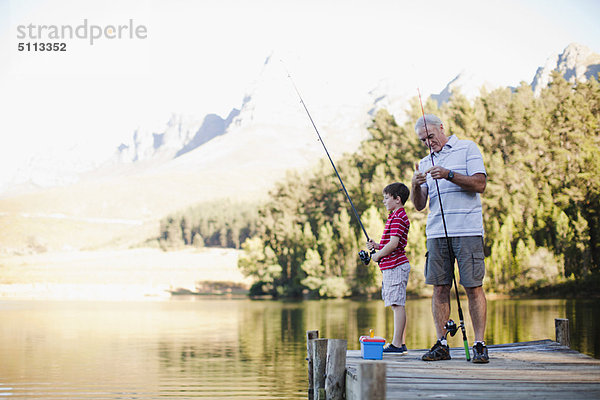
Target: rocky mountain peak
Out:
[181,134]
[271,127]
[466,83]
[576,63]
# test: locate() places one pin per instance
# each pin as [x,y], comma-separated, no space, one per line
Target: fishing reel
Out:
[365,257]
[451,328]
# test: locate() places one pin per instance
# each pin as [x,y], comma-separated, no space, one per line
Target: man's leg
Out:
[478,310]
[440,307]
[438,272]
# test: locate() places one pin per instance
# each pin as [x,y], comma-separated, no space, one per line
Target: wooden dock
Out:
[540,369]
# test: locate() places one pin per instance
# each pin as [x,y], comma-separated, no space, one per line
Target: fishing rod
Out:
[364,256]
[450,325]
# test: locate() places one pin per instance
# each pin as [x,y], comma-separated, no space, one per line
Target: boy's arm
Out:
[387,249]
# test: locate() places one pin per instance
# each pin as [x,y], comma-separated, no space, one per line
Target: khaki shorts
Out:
[468,251]
[393,287]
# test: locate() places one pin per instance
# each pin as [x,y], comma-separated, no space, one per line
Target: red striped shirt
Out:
[397,224]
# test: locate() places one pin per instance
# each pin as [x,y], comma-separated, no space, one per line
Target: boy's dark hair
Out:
[398,189]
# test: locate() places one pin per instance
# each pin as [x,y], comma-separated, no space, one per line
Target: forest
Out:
[541,205]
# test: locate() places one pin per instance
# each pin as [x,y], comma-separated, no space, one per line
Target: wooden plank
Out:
[539,369]
[494,393]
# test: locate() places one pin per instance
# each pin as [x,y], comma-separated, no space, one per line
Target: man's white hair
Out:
[431,120]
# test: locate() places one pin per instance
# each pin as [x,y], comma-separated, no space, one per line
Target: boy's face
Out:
[391,203]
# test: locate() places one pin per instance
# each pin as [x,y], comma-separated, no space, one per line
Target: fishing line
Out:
[364,256]
[450,250]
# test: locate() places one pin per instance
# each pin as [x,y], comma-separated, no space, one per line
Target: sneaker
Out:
[480,353]
[438,352]
[390,348]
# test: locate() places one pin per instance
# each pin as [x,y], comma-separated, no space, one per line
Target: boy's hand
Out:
[375,257]
[371,245]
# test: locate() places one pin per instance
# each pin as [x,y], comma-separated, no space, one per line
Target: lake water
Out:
[224,348]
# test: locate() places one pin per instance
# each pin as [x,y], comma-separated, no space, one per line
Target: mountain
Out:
[467,83]
[188,161]
[181,135]
[53,167]
[576,63]
[192,159]
[392,95]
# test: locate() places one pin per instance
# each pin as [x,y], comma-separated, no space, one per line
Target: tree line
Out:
[213,224]
[541,205]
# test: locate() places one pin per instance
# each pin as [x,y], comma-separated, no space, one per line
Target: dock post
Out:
[371,380]
[562,331]
[310,335]
[335,372]
[319,364]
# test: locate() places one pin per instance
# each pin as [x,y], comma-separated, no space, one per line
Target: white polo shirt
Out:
[462,209]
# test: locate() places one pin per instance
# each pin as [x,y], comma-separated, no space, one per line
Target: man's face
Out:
[436,138]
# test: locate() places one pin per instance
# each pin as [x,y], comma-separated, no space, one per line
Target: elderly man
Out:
[460,174]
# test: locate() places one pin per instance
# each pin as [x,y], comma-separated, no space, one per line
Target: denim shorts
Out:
[393,287]
[468,251]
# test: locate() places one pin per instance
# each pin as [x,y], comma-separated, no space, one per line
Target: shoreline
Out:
[152,274]
[129,274]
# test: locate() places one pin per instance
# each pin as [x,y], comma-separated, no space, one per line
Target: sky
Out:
[198,57]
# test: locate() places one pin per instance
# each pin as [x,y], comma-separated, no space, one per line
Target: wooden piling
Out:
[310,335]
[367,381]
[335,372]
[561,326]
[319,364]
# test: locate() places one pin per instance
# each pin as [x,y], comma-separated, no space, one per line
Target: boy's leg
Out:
[404,328]
[399,325]
[394,295]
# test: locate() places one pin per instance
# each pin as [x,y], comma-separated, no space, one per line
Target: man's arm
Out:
[418,194]
[472,183]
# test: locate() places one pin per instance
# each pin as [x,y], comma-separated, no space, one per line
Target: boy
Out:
[393,262]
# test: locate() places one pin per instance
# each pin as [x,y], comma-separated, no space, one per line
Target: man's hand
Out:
[419,178]
[438,172]
[472,183]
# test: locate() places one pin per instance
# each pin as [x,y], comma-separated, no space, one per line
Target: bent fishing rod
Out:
[450,325]
[364,256]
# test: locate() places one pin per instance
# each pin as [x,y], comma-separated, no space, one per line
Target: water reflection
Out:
[218,348]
